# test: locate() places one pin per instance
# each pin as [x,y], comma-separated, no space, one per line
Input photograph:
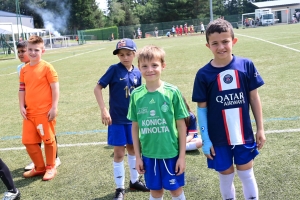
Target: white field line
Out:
[293,43]
[104,143]
[60,59]
[270,42]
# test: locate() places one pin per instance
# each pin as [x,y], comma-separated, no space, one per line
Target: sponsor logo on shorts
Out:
[172,181]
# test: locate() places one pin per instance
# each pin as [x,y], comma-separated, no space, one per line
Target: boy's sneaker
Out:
[119,194]
[12,196]
[32,173]
[30,166]
[138,185]
[57,162]
[50,173]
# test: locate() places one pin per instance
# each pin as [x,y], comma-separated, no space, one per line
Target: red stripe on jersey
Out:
[241,124]
[226,127]
[219,82]
[237,79]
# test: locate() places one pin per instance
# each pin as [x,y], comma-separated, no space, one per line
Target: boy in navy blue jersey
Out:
[122,78]
[12,192]
[224,88]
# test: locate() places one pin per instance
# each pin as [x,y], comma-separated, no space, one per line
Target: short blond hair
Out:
[34,39]
[151,52]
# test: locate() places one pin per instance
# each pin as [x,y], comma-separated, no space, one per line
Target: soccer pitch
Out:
[86,170]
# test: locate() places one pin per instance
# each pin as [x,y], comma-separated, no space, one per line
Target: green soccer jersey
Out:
[156,114]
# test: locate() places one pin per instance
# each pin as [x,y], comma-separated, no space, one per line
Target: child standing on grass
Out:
[223,90]
[193,140]
[39,88]
[12,192]
[122,78]
[158,128]
[24,58]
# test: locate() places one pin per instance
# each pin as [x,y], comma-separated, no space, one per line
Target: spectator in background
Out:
[134,34]
[173,30]
[156,32]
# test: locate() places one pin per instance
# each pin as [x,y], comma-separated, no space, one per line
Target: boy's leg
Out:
[6,177]
[178,194]
[249,182]
[226,184]
[118,164]
[36,156]
[156,194]
[135,183]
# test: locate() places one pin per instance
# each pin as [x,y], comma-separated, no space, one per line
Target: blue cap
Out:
[125,43]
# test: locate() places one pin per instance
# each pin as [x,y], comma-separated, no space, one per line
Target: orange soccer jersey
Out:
[38,93]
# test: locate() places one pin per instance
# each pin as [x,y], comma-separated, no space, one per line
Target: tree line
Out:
[85,14]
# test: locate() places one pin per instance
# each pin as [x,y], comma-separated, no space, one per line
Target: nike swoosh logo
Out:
[121,79]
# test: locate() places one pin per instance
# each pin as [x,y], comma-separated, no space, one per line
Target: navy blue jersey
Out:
[121,83]
[226,91]
[192,128]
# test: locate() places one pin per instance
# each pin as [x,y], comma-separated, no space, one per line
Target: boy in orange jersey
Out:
[39,88]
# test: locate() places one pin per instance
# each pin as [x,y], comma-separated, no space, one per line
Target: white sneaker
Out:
[30,166]
[57,162]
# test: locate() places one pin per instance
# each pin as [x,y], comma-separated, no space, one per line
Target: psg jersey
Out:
[226,91]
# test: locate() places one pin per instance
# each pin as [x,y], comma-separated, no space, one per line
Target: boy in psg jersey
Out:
[223,89]
[122,78]
[158,113]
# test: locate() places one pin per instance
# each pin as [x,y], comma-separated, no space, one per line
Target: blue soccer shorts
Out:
[160,173]
[227,155]
[119,134]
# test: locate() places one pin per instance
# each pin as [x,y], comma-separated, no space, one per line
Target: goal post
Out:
[8,37]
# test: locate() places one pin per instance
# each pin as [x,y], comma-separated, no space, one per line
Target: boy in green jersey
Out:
[157,112]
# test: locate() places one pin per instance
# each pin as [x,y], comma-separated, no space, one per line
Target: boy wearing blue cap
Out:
[122,78]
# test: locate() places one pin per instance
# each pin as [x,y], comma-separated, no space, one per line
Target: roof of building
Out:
[9,14]
[267,4]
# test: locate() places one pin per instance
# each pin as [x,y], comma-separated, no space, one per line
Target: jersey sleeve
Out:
[180,110]
[199,89]
[52,76]
[132,114]
[254,78]
[107,77]
[21,75]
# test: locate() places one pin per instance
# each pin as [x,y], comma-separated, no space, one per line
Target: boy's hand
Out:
[208,149]
[139,166]
[23,112]
[52,114]
[260,139]
[180,166]
[106,119]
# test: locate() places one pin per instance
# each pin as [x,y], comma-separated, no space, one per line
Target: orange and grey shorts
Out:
[36,129]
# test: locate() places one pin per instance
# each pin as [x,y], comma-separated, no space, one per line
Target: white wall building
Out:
[8,17]
[282,9]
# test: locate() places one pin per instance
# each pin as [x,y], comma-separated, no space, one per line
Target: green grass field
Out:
[86,170]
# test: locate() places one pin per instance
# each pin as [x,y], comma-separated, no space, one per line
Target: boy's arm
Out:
[22,100]
[55,96]
[207,147]
[257,113]
[105,116]
[139,165]
[180,164]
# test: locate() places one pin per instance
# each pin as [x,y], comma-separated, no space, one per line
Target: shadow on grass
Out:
[193,153]
[111,195]
[23,182]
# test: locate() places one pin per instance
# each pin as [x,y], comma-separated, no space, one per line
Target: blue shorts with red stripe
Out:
[227,155]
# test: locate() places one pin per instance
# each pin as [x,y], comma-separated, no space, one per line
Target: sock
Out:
[180,197]
[50,152]
[249,183]
[134,175]
[35,153]
[226,186]
[119,174]
[152,198]
[191,146]
[6,177]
